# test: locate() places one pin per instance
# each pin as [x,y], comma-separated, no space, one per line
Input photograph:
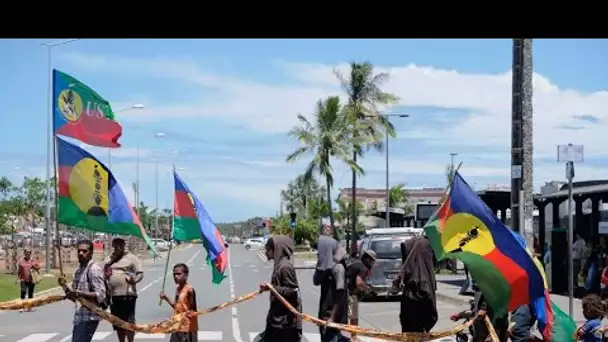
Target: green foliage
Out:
[26,201]
[306,229]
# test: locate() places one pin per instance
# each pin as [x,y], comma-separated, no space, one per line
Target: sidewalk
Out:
[448,288]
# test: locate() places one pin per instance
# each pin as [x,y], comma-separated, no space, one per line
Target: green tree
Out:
[327,138]
[300,192]
[344,210]
[364,90]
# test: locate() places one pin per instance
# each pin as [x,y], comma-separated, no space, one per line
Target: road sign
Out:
[570,153]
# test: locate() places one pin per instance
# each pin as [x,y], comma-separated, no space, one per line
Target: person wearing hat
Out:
[123,271]
[357,271]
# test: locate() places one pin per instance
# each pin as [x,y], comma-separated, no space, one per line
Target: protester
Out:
[28,274]
[418,311]
[326,248]
[335,305]
[89,284]
[593,310]
[281,324]
[523,320]
[185,301]
[591,270]
[123,271]
[480,329]
[357,270]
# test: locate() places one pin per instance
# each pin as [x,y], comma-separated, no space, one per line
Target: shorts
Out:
[353,307]
[123,307]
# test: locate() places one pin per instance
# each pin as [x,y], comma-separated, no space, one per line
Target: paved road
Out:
[240,324]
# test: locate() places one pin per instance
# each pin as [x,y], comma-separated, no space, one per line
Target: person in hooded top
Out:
[418,312]
[281,324]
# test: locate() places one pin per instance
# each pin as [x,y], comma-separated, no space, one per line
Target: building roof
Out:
[577,189]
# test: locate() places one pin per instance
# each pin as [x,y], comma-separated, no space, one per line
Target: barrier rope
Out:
[174,323]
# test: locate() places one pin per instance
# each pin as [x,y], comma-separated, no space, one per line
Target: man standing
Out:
[357,271]
[123,271]
[334,307]
[88,284]
[577,258]
[326,248]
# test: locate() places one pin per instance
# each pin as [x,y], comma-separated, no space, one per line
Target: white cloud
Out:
[482,137]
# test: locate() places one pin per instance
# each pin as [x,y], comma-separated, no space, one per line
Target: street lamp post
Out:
[158,135]
[50,133]
[452,155]
[387,207]
[133,107]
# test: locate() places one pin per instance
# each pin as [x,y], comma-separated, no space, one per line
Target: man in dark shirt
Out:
[335,305]
[357,271]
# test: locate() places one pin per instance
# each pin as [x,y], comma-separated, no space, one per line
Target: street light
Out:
[133,107]
[158,135]
[387,208]
[49,139]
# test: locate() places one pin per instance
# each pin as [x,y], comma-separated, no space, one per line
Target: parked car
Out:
[161,245]
[386,242]
[255,243]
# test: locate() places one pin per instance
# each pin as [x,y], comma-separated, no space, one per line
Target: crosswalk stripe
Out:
[312,337]
[210,335]
[150,336]
[252,336]
[100,335]
[38,337]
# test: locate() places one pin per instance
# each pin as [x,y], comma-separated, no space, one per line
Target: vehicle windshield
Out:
[389,247]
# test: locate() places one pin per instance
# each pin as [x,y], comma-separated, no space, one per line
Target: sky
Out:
[225,107]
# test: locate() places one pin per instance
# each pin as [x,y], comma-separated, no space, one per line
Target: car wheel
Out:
[247,247]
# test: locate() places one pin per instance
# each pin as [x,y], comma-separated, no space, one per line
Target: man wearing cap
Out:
[123,271]
[357,271]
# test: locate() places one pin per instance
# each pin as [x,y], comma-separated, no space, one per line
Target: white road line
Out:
[150,336]
[66,339]
[38,337]
[210,335]
[312,337]
[100,335]
[236,329]
[253,335]
[166,274]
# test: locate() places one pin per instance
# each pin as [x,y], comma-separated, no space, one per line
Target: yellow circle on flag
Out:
[464,232]
[70,105]
[89,187]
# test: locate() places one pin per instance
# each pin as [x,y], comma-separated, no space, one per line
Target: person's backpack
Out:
[350,271]
[105,304]
[108,298]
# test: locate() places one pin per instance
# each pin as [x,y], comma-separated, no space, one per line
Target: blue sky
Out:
[225,107]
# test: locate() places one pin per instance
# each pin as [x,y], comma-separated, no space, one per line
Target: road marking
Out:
[38,337]
[253,335]
[236,329]
[166,274]
[150,336]
[210,335]
[100,335]
[312,337]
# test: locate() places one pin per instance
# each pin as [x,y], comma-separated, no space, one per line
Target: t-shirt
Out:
[326,247]
[128,266]
[590,331]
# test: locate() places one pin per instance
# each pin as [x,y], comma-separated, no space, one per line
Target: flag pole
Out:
[160,302]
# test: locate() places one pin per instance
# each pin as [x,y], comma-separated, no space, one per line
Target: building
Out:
[375,200]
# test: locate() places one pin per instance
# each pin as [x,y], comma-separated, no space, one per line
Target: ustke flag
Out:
[81,113]
[191,221]
[90,197]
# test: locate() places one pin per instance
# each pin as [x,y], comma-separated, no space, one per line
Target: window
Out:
[388,248]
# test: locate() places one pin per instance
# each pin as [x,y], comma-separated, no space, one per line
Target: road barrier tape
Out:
[175,323]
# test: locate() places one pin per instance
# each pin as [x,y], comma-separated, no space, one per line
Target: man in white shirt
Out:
[577,257]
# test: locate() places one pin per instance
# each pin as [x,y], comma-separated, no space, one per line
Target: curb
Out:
[460,300]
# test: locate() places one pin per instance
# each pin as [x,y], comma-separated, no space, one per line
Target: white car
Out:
[255,243]
[161,245]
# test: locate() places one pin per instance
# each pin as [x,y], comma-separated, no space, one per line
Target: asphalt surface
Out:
[242,323]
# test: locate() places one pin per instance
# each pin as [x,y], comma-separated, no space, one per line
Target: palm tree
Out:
[327,138]
[344,208]
[398,197]
[6,186]
[363,88]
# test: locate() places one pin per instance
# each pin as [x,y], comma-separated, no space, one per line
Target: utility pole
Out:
[522,141]
[452,155]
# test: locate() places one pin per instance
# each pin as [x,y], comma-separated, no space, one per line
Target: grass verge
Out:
[9,288]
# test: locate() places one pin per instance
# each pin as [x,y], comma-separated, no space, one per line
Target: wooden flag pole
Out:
[169,252]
